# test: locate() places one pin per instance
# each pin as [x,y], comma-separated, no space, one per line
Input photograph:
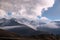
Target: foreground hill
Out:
[6,35]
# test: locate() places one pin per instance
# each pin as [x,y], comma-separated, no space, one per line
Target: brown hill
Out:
[6,35]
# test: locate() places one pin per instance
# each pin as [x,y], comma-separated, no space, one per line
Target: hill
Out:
[6,35]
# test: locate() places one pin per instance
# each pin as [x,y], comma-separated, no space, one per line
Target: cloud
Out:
[47,23]
[44,19]
[26,8]
[2,13]
[9,27]
[51,25]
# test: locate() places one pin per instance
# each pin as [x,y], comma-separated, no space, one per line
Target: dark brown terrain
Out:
[6,35]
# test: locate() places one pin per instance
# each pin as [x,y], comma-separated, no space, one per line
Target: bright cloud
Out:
[51,25]
[2,13]
[45,19]
[26,8]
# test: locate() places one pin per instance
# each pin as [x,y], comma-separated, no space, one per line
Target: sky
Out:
[31,12]
[25,8]
[54,12]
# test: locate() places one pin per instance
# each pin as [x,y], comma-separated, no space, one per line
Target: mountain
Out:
[57,23]
[51,30]
[8,22]
[26,31]
[21,29]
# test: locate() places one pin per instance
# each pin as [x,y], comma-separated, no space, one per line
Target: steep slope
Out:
[26,31]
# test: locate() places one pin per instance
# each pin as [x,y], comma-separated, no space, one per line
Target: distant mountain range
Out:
[25,30]
[52,30]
